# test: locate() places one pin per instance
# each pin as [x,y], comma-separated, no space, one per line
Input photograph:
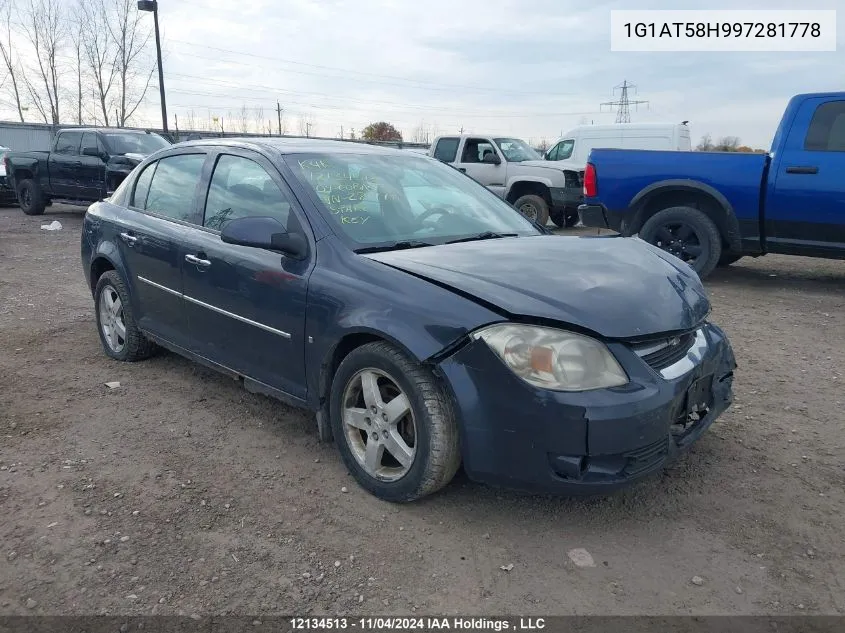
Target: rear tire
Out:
[534,208]
[422,430]
[30,197]
[688,234]
[119,333]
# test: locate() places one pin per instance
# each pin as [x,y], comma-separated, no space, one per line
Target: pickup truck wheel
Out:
[534,208]
[687,234]
[31,198]
[393,423]
[119,334]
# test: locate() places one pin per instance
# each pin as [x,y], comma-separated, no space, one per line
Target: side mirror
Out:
[492,159]
[266,233]
[91,151]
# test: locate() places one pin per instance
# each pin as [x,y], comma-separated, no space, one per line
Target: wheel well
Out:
[520,189]
[98,267]
[22,174]
[341,351]
[700,200]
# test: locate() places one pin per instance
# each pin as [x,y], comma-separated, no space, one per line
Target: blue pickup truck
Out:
[712,208]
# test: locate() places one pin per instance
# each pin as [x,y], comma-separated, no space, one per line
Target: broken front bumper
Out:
[520,436]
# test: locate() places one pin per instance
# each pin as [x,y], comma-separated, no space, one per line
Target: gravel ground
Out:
[180,493]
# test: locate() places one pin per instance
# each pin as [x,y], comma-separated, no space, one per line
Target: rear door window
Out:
[142,186]
[173,187]
[447,149]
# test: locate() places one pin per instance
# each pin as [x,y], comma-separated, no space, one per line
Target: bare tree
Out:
[422,133]
[77,39]
[306,124]
[191,121]
[100,54]
[243,120]
[727,144]
[45,27]
[13,69]
[258,119]
[705,144]
[130,36]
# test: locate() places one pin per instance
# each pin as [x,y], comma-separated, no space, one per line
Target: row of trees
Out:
[725,144]
[92,58]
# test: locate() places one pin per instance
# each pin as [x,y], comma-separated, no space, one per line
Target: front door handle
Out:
[193,259]
[463,169]
[802,170]
[131,240]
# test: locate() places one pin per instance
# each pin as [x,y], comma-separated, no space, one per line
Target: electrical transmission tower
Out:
[623,114]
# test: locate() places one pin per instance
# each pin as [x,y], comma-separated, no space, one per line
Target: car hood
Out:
[616,287]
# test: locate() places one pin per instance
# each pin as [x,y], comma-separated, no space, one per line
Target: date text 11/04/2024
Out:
[433,623]
[723,29]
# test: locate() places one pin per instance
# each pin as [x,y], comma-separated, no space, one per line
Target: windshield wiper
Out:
[396,246]
[486,235]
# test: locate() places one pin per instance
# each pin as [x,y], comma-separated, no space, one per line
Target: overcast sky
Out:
[531,68]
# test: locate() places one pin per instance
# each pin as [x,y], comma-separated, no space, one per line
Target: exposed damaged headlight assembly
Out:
[554,359]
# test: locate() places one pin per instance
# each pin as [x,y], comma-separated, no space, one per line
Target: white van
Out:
[575,146]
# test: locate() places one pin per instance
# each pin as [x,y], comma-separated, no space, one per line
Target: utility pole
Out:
[623,114]
[462,129]
[152,6]
[308,130]
[279,115]
[341,132]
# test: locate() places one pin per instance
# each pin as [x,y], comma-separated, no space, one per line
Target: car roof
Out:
[294,145]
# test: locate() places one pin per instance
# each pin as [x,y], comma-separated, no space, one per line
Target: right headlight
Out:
[554,359]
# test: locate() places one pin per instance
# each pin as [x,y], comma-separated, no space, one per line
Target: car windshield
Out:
[516,150]
[135,142]
[388,199]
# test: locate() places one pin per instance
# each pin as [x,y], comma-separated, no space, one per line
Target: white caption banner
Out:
[723,31]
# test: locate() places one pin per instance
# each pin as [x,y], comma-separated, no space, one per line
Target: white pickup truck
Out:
[539,189]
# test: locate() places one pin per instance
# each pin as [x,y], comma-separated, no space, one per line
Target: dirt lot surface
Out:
[178,492]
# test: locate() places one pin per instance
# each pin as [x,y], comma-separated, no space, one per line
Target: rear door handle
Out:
[802,170]
[131,240]
[198,261]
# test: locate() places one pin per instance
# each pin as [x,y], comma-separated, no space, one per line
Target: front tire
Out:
[119,334]
[688,234]
[31,198]
[534,208]
[393,423]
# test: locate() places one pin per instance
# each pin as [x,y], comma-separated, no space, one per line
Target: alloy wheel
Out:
[379,424]
[112,321]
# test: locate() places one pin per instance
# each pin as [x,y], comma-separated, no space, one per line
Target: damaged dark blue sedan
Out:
[424,320]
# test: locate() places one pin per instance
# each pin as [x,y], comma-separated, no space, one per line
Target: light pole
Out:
[152,5]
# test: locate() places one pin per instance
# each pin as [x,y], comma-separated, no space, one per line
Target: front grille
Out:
[666,352]
[646,458]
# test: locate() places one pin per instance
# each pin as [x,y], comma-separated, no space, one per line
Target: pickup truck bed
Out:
[712,208]
[732,179]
